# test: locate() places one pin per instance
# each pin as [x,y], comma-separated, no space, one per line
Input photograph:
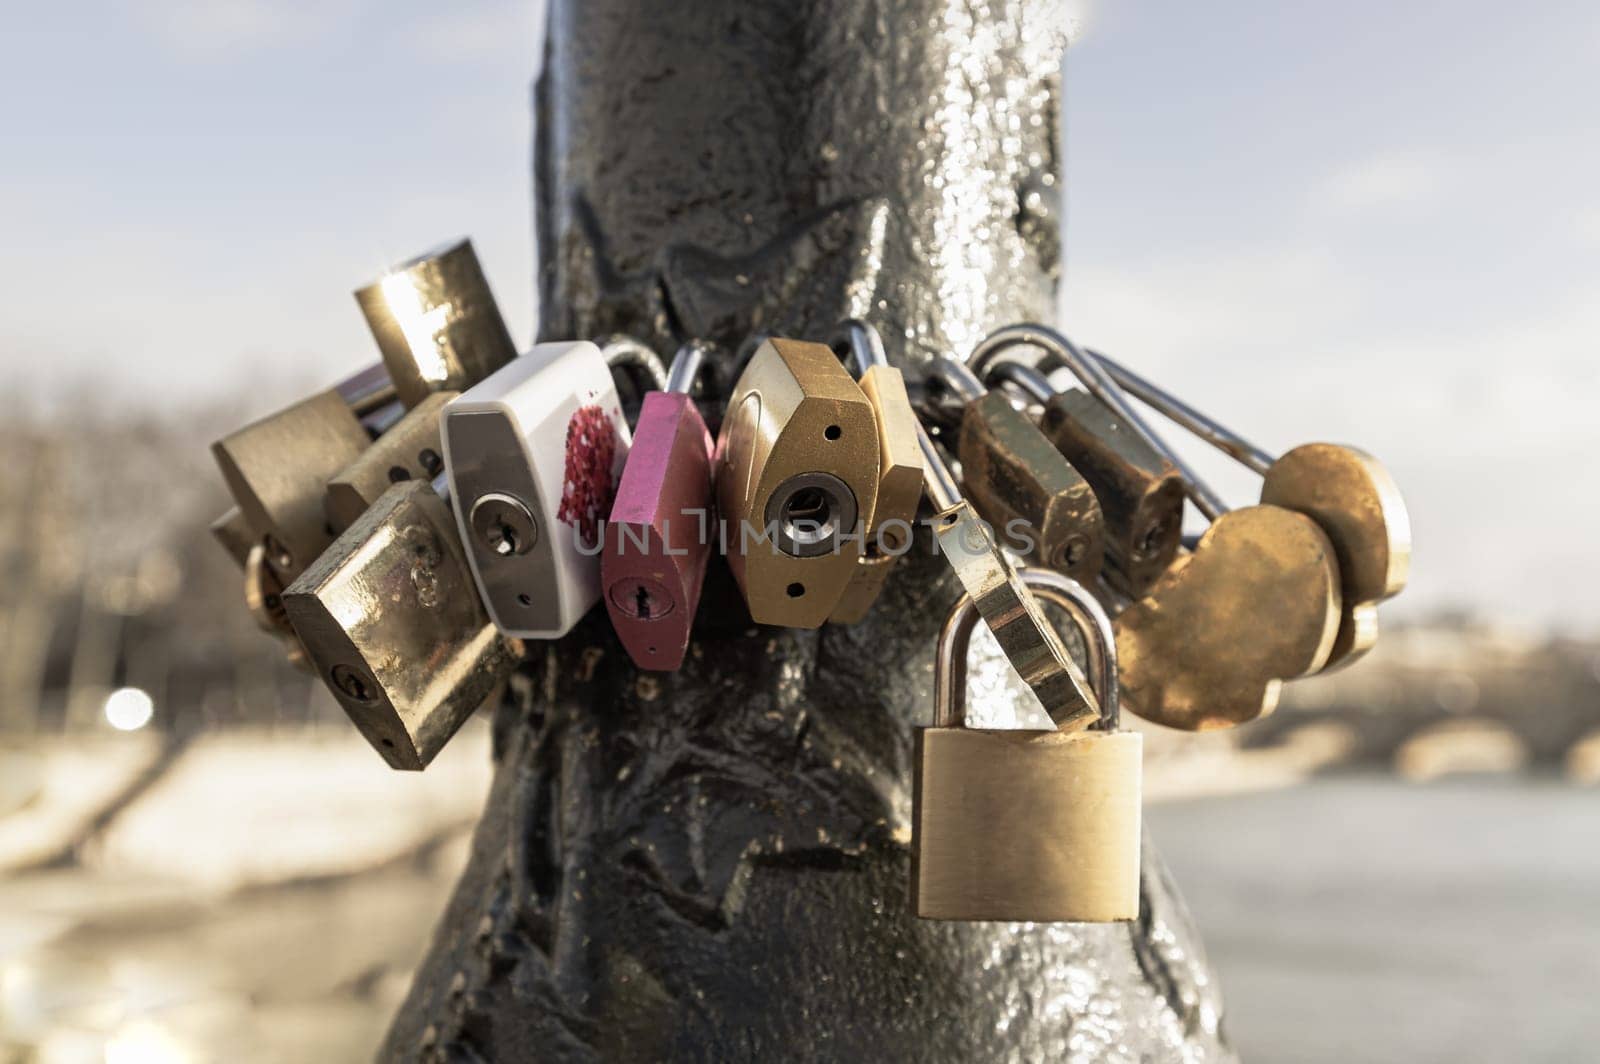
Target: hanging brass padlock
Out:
[436,322]
[797,471]
[1039,504]
[889,526]
[409,450]
[1021,824]
[1211,642]
[1346,491]
[392,623]
[1140,492]
[1027,639]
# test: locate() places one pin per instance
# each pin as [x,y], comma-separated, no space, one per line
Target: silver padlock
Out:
[533,455]
[1022,824]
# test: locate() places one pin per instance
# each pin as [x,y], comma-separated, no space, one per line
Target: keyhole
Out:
[503,538]
[641,602]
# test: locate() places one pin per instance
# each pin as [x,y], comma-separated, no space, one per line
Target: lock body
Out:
[1140,492]
[1026,825]
[409,450]
[1211,643]
[797,468]
[392,623]
[1038,503]
[533,455]
[436,323]
[1357,503]
[899,492]
[658,540]
[277,468]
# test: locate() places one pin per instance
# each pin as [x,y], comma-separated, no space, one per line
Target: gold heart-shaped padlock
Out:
[1256,603]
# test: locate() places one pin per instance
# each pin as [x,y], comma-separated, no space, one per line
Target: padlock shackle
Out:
[637,359]
[1100,384]
[1034,385]
[955,641]
[858,344]
[1181,413]
[367,390]
[689,362]
[957,378]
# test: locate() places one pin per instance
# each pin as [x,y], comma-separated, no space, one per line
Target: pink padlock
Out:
[659,537]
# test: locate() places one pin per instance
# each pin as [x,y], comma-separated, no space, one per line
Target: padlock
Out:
[392,623]
[1028,641]
[276,470]
[409,450]
[1022,824]
[1020,483]
[1346,491]
[533,456]
[659,536]
[436,323]
[889,526]
[796,475]
[1257,602]
[1140,492]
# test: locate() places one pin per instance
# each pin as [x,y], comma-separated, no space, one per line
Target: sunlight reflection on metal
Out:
[421,327]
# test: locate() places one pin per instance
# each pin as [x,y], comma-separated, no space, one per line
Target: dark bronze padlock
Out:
[392,623]
[1039,504]
[1019,824]
[1140,491]
[436,322]
[409,450]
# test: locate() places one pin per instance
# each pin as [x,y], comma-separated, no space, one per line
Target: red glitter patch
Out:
[587,486]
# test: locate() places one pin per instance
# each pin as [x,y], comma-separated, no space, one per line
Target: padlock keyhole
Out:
[504,539]
[641,601]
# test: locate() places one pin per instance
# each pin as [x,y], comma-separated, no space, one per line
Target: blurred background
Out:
[1368,222]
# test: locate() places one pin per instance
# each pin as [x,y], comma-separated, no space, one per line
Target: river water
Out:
[1357,920]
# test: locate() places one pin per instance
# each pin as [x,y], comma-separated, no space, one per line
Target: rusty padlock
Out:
[1140,491]
[1021,824]
[1018,481]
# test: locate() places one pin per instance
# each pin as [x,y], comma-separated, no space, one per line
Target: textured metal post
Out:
[711,865]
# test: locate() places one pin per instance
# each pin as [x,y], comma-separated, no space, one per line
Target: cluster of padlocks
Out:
[403,532]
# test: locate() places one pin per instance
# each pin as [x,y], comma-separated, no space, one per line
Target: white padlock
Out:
[533,454]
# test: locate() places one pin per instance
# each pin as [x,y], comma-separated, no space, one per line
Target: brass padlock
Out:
[1346,491]
[1027,639]
[409,450]
[1020,824]
[277,468]
[392,623]
[1039,504]
[797,471]
[889,526]
[1140,491]
[436,322]
[1211,642]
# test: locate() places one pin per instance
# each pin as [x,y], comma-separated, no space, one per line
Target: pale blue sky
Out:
[1372,222]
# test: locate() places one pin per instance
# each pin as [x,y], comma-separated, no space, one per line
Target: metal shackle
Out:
[955,640]
[691,362]
[1100,384]
[636,359]
[1181,413]
[857,342]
